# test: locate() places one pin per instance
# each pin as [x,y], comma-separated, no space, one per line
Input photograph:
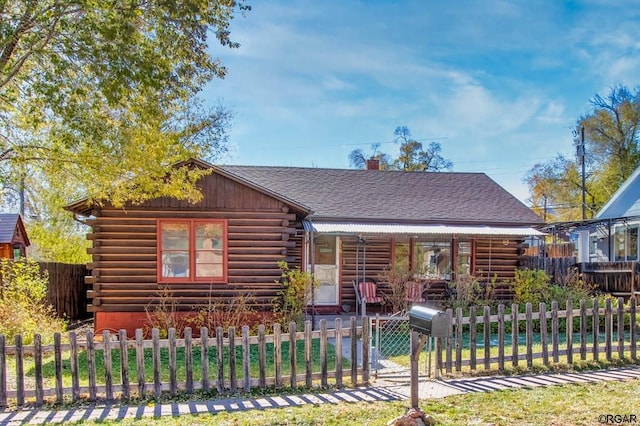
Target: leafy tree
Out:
[97,98]
[611,132]
[100,96]
[412,156]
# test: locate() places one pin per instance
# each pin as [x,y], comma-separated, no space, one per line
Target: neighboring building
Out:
[612,235]
[13,236]
[340,224]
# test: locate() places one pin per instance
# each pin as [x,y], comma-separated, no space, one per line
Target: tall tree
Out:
[611,136]
[411,158]
[99,97]
[414,158]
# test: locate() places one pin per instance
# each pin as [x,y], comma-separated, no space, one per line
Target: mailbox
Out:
[427,321]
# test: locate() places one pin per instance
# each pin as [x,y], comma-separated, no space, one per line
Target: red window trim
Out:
[192,250]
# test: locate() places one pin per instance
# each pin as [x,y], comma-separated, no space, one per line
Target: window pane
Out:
[464,258]
[325,250]
[620,243]
[208,235]
[209,246]
[632,243]
[175,236]
[175,263]
[401,261]
[433,259]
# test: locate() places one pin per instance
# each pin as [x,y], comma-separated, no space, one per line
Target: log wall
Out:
[261,232]
[493,261]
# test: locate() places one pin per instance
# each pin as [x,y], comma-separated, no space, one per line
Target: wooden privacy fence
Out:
[560,269]
[116,366]
[584,332]
[616,278]
[67,292]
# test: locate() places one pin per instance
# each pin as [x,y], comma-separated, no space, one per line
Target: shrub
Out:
[23,306]
[465,291]
[396,289]
[532,286]
[296,290]
[165,313]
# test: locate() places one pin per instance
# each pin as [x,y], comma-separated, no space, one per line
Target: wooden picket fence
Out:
[98,367]
[480,340]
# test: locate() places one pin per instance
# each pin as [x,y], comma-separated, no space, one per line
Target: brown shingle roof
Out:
[392,196]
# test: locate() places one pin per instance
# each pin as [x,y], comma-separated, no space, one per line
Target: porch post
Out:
[312,258]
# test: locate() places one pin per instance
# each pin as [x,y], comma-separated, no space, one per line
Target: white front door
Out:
[326,270]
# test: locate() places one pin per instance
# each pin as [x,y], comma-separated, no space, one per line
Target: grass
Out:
[553,405]
[49,366]
[395,346]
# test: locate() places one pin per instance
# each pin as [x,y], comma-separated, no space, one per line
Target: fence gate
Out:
[391,349]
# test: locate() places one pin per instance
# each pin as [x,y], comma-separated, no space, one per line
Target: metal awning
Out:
[379,228]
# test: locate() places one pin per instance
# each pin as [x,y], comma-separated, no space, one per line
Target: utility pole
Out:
[581,155]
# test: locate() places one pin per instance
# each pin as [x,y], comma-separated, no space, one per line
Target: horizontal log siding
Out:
[495,261]
[378,259]
[124,271]
[261,232]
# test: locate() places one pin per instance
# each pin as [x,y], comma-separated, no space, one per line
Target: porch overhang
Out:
[411,229]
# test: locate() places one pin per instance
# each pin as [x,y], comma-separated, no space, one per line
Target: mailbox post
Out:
[423,322]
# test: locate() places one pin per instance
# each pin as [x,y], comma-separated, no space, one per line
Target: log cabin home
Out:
[340,224]
[13,236]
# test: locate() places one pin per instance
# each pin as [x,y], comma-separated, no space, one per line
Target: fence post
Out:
[57,349]
[620,328]
[173,380]
[246,359]
[204,354]
[354,351]
[19,371]
[608,326]
[124,363]
[583,329]
[569,331]
[514,334]
[542,313]
[449,354]
[188,360]
[37,360]
[232,360]
[3,372]
[501,337]
[308,356]
[529,333]
[157,382]
[220,359]
[596,329]
[293,374]
[472,337]
[632,328]
[324,374]
[487,337]
[277,353]
[555,332]
[106,356]
[262,357]
[458,340]
[338,331]
[91,366]
[366,347]
[142,382]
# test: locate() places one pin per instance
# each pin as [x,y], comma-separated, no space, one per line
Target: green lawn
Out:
[554,405]
[49,365]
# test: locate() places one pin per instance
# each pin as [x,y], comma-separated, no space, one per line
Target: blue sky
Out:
[498,83]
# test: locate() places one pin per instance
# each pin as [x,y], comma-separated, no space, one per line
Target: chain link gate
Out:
[391,349]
